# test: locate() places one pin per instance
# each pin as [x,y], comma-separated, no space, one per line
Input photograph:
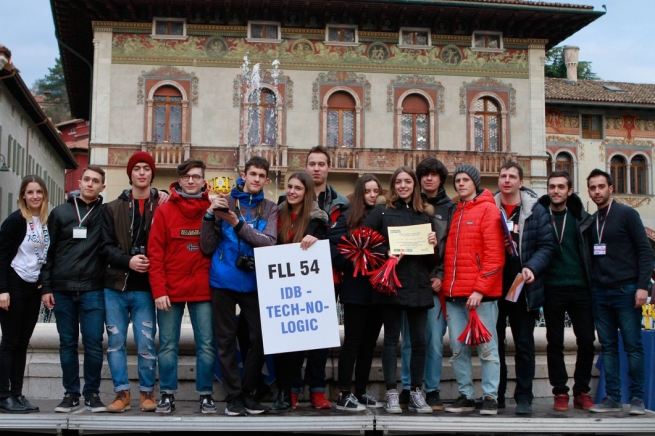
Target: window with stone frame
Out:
[564,162]
[591,126]
[167,115]
[262,117]
[341,120]
[264,30]
[171,28]
[414,123]
[618,173]
[490,41]
[415,37]
[486,125]
[341,34]
[638,180]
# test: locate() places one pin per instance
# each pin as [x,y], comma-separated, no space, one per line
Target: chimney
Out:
[571,62]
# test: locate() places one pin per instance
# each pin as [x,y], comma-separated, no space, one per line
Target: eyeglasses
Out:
[195,177]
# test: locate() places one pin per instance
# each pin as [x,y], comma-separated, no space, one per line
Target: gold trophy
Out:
[648,311]
[220,185]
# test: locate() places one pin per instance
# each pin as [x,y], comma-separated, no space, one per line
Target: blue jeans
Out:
[436,329]
[83,312]
[615,309]
[169,323]
[458,318]
[121,306]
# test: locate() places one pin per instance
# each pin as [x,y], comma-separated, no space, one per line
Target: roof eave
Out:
[600,103]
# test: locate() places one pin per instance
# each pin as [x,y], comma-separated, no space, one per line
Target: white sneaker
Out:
[417,402]
[393,406]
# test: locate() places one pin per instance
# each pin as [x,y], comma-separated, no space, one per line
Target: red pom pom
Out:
[360,249]
[384,279]
[475,333]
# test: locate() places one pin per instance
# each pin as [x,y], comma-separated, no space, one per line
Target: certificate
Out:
[410,240]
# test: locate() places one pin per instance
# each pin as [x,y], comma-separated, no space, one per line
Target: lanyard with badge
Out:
[600,249]
[79,232]
[557,234]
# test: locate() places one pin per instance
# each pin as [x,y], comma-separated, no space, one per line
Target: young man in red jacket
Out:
[473,278]
[179,277]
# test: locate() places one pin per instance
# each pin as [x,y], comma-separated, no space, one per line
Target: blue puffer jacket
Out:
[536,246]
[257,228]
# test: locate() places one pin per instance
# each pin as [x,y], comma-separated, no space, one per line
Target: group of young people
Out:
[148,255]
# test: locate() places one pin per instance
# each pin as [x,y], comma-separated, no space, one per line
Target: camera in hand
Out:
[245,263]
[138,250]
[221,209]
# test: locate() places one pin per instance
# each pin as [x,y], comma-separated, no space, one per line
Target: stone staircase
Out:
[43,372]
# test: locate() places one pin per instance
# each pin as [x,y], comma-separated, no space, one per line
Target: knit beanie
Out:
[471,171]
[141,156]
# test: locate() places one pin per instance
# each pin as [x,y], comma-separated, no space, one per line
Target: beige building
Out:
[382,83]
[29,142]
[607,125]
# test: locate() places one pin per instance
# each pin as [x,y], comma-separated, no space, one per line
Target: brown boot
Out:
[148,403]
[121,403]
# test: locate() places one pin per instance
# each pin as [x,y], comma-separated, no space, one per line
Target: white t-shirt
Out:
[26,263]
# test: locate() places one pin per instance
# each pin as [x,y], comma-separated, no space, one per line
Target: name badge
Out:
[79,232]
[600,249]
[510,226]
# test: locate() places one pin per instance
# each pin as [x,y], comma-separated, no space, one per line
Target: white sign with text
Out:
[296,298]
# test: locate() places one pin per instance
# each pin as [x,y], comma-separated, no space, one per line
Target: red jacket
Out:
[475,250]
[177,266]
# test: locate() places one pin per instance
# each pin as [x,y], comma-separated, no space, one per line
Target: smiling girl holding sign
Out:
[300,220]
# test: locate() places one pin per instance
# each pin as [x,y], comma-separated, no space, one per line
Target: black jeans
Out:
[17,327]
[288,369]
[392,319]
[522,325]
[224,303]
[362,325]
[577,302]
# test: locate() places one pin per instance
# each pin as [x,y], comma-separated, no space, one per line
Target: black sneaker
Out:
[166,404]
[207,404]
[403,399]
[349,403]
[369,400]
[235,407]
[433,400]
[461,404]
[523,407]
[93,404]
[489,406]
[23,402]
[69,403]
[252,406]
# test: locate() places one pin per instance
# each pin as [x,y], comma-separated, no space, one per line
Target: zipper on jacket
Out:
[477,259]
[456,249]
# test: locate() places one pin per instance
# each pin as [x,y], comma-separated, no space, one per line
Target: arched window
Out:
[486,120]
[564,163]
[262,118]
[638,175]
[617,171]
[341,120]
[414,123]
[167,115]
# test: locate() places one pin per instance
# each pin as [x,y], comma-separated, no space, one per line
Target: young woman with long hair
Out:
[24,243]
[362,320]
[404,207]
[300,220]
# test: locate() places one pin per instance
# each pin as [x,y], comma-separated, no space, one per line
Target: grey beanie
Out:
[472,172]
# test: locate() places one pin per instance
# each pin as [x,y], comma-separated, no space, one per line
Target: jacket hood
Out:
[318,213]
[125,195]
[573,203]
[248,199]
[529,199]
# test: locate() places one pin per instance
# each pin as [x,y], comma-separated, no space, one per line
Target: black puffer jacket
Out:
[74,265]
[413,271]
[442,209]
[583,220]
[536,247]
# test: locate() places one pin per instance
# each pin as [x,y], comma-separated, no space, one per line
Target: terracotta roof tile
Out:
[596,91]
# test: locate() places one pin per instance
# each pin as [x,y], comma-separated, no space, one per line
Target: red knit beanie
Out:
[141,156]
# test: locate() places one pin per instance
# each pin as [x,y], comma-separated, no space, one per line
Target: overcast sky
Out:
[619,44]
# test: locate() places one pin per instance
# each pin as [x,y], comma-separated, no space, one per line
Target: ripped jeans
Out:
[457,318]
[120,308]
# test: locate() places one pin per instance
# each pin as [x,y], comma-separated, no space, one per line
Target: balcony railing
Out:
[275,155]
[167,154]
